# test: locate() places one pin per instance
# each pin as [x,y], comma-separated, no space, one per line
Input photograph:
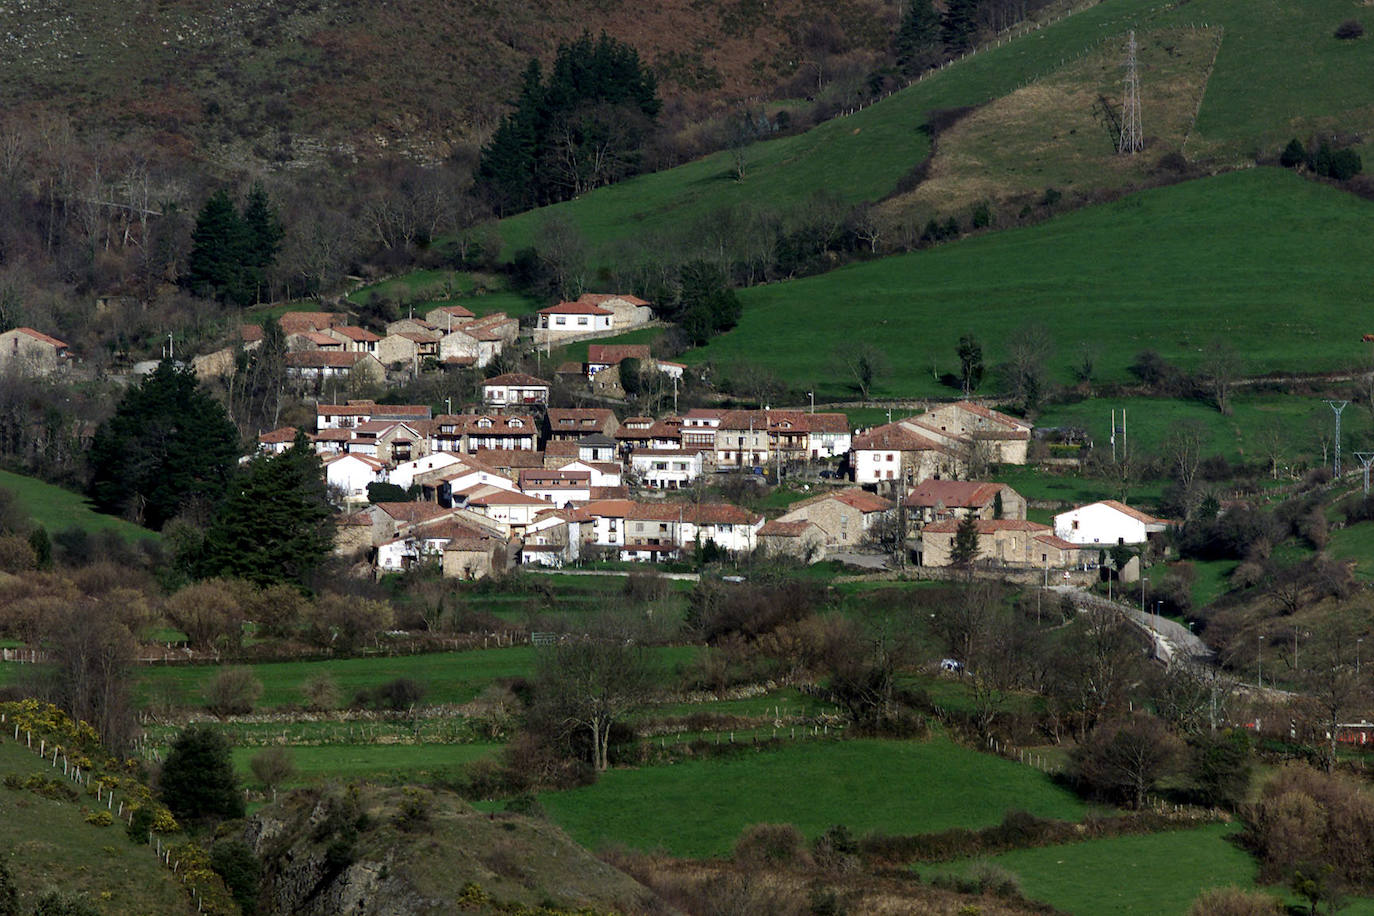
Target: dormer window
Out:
[484,423]
[516,424]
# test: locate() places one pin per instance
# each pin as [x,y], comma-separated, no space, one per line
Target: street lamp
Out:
[812,396]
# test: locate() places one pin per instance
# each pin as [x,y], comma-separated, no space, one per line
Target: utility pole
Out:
[1365,459]
[1132,137]
[1337,407]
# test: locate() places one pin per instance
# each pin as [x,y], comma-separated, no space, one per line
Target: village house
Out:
[665,468]
[24,351]
[561,487]
[604,356]
[412,325]
[553,539]
[509,508]
[596,448]
[314,340]
[626,311]
[846,517]
[447,317]
[802,540]
[480,340]
[894,452]
[573,319]
[1107,524]
[408,348]
[277,441]
[466,433]
[603,474]
[318,365]
[439,484]
[471,559]
[1004,438]
[389,441]
[515,389]
[574,423]
[510,461]
[1001,542]
[355,412]
[936,500]
[404,473]
[348,475]
[699,427]
[752,438]
[301,322]
[354,338]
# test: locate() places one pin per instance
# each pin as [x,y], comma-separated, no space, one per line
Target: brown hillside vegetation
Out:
[294,79]
[1060,131]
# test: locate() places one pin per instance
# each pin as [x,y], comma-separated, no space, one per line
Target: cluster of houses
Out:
[516,482]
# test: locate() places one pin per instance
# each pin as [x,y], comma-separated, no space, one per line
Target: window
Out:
[889,458]
[516,424]
[560,321]
[1075,524]
[582,322]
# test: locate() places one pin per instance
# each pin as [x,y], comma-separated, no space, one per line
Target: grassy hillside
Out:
[49,846]
[1273,76]
[699,808]
[1270,263]
[55,508]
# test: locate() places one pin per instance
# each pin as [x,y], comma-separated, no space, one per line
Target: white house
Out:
[570,319]
[512,509]
[603,473]
[515,388]
[666,469]
[351,473]
[403,475]
[1107,523]
[559,487]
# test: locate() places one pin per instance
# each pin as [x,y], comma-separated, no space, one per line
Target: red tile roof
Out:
[353,332]
[250,333]
[320,339]
[281,434]
[953,494]
[574,308]
[516,379]
[612,354]
[457,311]
[499,424]
[44,338]
[295,322]
[897,437]
[564,418]
[1133,513]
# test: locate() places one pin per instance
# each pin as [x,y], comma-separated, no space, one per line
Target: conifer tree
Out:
[262,238]
[274,527]
[917,45]
[218,246]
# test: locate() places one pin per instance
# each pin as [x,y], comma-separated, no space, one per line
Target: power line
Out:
[1337,407]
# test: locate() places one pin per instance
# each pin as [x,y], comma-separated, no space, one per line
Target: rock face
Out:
[369,851]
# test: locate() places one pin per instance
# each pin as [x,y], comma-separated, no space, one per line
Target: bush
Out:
[198,781]
[772,845]
[99,818]
[1350,29]
[321,692]
[56,904]
[836,849]
[1232,901]
[233,860]
[232,692]
[1306,820]
[397,695]
[272,766]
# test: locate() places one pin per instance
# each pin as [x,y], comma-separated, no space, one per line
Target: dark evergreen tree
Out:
[917,44]
[706,305]
[1293,154]
[168,442]
[218,251]
[583,127]
[198,782]
[262,238]
[959,25]
[965,550]
[275,524]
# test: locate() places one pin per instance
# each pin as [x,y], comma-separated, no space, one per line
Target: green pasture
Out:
[1275,75]
[448,677]
[698,808]
[480,294]
[1299,423]
[1157,873]
[1262,260]
[55,509]
[1072,488]
[49,846]
[390,763]
[1355,543]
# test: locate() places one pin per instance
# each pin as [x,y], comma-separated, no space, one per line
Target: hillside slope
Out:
[1264,261]
[275,80]
[1278,72]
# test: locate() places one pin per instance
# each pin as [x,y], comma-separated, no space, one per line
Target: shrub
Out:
[396,695]
[57,904]
[772,845]
[836,849]
[272,766]
[232,692]
[140,823]
[413,813]
[1232,901]
[1305,820]
[321,691]
[233,860]
[1350,29]
[198,781]
[1293,154]
[99,818]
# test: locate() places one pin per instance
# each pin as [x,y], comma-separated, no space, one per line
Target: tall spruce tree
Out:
[168,442]
[218,249]
[262,238]
[198,782]
[917,45]
[275,525]
[959,26]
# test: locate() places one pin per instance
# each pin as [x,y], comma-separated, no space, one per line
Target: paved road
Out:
[1172,640]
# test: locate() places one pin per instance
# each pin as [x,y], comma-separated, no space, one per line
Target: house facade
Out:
[572,319]
[25,351]
[515,389]
[1107,524]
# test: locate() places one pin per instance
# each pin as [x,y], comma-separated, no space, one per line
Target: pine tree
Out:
[959,26]
[198,782]
[218,247]
[167,443]
[275,526]
[262,238]
[917,44]
[965,550]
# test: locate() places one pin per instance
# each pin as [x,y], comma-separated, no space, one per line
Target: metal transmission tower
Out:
[1365,459]
[1337,406]
[1132,138]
